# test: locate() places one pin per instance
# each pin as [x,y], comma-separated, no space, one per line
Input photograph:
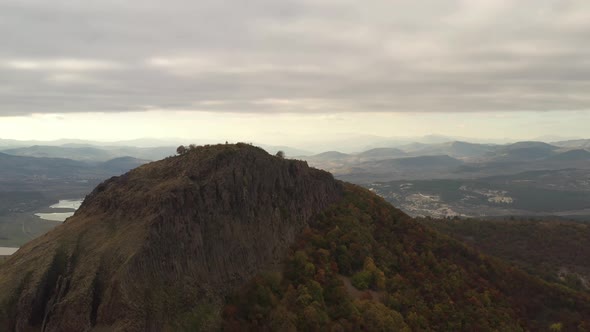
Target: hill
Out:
[89,153]
[86,153]
[364,265]
[571,155]
[122,164]
[424,162]
[455,149]
[329,155]
[466,149]
[278,245]
[579,144]
[381,153]
[14,167]
[557,250]
[469,161]
[166,236]
[522,151]
[408,168]
[17,168]
[529,145]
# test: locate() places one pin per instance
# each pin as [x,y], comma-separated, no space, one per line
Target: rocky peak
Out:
[167,236]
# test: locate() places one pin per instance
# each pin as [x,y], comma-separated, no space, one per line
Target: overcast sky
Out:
[488,68]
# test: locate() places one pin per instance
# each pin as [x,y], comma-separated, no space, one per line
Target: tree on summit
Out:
[181,150]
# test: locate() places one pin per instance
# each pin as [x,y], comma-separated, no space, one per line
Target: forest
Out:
[364,265]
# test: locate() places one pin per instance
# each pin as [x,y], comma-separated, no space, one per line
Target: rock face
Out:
[162,241]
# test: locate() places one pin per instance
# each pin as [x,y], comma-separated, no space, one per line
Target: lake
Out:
[71,204]
[7,251]
[56,216]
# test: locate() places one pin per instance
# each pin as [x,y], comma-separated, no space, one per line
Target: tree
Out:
[280,154]
[181,150]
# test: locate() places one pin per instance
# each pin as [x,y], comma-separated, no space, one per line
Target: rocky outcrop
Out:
[163,241]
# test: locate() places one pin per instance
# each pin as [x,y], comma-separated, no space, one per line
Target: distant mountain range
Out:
[98,151]
[346,143]
[579,143]
[13,168]
[451,160]
[142,142]
[381,153]
[455,149]
[408,162]
[92,153]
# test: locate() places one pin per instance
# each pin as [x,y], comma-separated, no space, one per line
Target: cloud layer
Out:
[294,56]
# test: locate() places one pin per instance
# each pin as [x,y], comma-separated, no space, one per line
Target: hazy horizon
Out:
[347,143]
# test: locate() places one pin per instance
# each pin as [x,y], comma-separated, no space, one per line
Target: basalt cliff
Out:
[163,238]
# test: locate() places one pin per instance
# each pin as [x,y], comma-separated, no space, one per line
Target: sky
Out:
[291,71]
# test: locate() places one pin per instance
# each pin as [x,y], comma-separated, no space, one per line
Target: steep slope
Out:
[169,237]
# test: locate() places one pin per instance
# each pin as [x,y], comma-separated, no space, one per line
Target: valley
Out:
[33,190]
[561,193]
[472,180]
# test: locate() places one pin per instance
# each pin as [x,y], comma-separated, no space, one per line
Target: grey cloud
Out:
[294,56]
